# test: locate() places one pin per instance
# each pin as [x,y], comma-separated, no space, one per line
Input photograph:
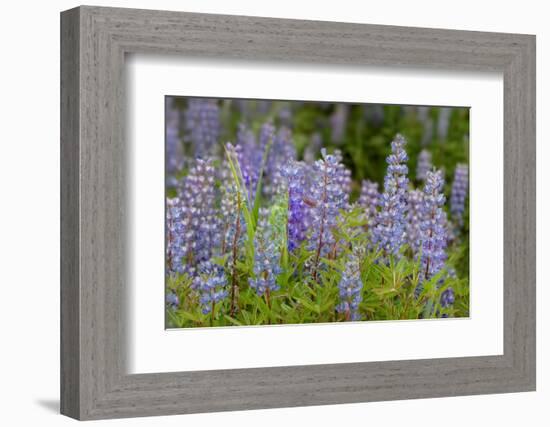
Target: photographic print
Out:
[295,212]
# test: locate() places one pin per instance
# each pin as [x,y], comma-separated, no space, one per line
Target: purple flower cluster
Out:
[434,232]
[328,198]
[294,173]
[174,148]
[202,125]
[349,289]
[424,165]
[369,199]
[447,298]
[199,217]
[459,192]
[281,153]
[211,284]
[266,259]
[414,220]
[172,300]
[175,237]
[389,231]
[338,123]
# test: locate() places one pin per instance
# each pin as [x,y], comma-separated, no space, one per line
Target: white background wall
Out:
[29,212]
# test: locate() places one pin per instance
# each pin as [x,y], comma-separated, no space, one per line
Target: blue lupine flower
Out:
[390,230]
[175,237]
[327,198]
[281,153]
[294,173]
[434,232]
[459,193]
[369,199]
[414,220]
[172,300]
[202,125]
[424,165]
[174,148]
[211,285]
[266,259]
[343,175]
[198,213]
[234,225]
[447,297]
[338,123]
[349,289]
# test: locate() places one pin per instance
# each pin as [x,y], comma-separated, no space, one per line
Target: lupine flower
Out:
[447,297]
[246,158]
[414,220]
[443,122]
[424,165]
[389,232]
[327,199]
[294,173]
[285,117]
[434,233]
[282,152]
[172,300]
[338,123]
[175,237]
[459,192]
[199,217]
[349,289]
[174,149]
[211,285]
[266,259]
[202,125]
[343,175]
[369,199]
[234,227]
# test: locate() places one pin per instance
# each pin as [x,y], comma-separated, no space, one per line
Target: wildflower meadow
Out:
[282,212]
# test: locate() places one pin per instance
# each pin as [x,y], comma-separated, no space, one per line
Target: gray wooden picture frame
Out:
[94,41]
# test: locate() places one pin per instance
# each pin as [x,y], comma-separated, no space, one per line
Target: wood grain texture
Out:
[95,235]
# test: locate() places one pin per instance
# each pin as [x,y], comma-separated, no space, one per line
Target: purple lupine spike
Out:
[246,159]
[211,284]
[174,148]
[447,297]
[202,125]
[443,122]
[327,198]
[390,229]
[459,193]
[414,220]
[294,173]
[266,136]
[350,287]
[434,232]
[424,164]
[198,198]
[338,123]
[343,178]
[266,259]
[172,300]
[369,199]
[282,153]
[175,237]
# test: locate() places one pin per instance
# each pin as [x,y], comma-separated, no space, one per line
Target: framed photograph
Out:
[262,213]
